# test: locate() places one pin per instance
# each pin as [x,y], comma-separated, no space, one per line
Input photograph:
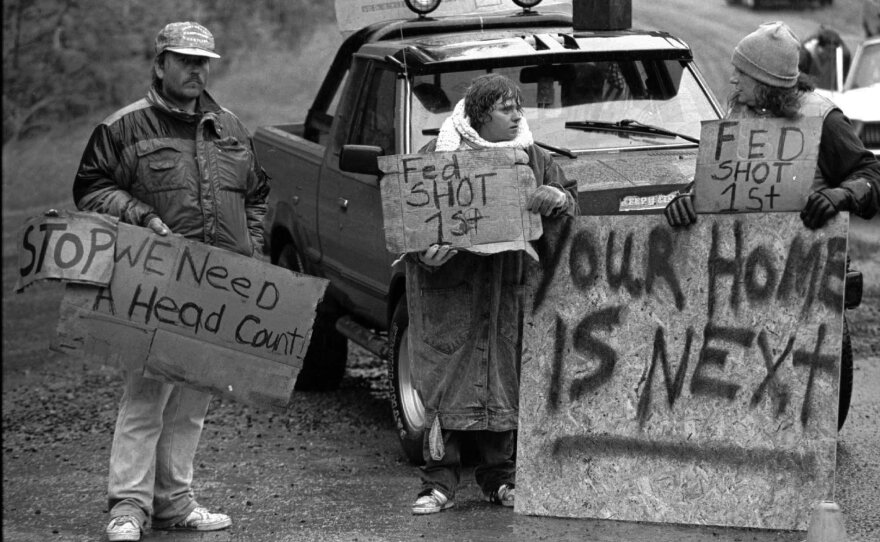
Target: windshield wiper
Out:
[558,150]
[627,125]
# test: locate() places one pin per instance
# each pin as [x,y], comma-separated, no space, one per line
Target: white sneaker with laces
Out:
[431,501]
[202,520]
[123,529]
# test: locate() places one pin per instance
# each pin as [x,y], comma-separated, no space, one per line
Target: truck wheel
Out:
[846,375]
[324,364]
[406,404]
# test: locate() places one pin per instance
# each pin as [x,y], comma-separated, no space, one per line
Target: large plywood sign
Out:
[179,311]
[756,165]
[353,15]
[686,376]
[463,198]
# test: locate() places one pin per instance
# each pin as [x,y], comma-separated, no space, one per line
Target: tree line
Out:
[63,58]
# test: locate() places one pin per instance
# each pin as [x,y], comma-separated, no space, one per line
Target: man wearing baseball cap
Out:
[767,83]
[174,162]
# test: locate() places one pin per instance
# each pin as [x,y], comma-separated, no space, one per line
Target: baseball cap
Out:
[186,38]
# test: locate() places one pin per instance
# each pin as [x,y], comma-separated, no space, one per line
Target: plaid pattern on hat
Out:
[770,55]
[186,38]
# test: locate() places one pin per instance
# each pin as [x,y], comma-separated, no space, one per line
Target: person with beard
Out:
[767,83]
[174,162]
[465,312]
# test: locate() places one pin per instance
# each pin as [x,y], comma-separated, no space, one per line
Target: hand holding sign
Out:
[822,205]
[437,255]
[680,211]
[158,226]
[546,200]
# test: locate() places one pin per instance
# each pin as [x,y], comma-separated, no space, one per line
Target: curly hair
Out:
[780,102]
[484,92]
[158,60]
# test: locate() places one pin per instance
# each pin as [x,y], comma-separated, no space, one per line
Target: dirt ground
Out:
[315,471]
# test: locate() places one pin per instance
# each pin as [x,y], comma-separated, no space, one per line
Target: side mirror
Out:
[362,159]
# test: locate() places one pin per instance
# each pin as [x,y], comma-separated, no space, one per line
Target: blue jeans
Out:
[151,462]
[497,465]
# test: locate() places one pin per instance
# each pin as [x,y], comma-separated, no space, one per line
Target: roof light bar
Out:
[527,4]
[423,7]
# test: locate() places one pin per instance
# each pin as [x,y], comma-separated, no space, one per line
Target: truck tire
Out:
[324,364]
[846,375]
[406,404]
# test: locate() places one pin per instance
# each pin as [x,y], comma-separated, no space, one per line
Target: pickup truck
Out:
[619,109]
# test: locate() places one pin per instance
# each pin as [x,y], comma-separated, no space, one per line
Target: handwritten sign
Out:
[682,376]
[353,15]
[756,165]
[54,247]
[463,198]
[183,312]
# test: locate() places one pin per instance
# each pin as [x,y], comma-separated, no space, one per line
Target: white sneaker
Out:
[123,528]
[431,501]
[202,520]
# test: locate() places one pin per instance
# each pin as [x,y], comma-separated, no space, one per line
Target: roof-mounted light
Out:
[423,7]
[527,5]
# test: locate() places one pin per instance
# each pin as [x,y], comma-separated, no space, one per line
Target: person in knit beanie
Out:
[768,83]
[770,55]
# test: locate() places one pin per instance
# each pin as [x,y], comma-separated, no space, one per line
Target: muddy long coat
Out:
[466,326]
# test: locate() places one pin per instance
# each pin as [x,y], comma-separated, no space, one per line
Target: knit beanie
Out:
[769,54]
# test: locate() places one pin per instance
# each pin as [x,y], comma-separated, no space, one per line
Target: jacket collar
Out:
[204,104]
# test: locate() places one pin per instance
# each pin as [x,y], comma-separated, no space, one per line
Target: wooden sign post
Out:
[756,165]
[462,198]
[685,376]
[177,310]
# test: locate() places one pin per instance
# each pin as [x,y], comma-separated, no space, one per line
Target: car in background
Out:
[871,17]
[860,95]
[763,4]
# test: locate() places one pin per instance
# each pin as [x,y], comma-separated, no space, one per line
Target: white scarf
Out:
[457,129]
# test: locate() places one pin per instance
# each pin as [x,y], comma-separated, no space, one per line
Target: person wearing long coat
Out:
[466,312]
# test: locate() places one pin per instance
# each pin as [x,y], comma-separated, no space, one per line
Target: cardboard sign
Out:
[756,165]
[463,198]
[353,15]
[684,376]
[56,247]
[191,314]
